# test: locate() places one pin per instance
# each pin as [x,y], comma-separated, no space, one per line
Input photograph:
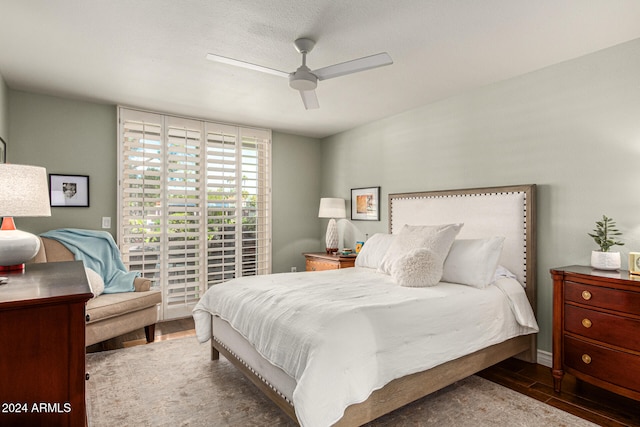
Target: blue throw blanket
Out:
[99,252]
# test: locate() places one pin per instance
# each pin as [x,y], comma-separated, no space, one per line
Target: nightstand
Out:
[318,261]
[596,328]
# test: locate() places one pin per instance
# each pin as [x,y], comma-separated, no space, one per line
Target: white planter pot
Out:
[605,260]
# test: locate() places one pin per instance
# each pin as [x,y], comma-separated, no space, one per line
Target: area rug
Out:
[174,383]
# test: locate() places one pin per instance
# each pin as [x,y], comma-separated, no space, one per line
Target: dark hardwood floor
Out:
[578,398]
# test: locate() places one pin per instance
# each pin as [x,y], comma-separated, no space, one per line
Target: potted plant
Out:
[605,235]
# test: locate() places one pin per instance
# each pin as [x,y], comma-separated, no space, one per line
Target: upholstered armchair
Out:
[111,315]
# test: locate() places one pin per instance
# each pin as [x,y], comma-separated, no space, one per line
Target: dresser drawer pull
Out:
[586,358]
[586,323]
[586,295]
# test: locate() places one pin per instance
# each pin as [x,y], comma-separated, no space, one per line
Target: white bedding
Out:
[342,334]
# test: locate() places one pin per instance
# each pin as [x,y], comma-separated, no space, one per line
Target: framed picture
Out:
[3,151]
[69,190]
[365,204]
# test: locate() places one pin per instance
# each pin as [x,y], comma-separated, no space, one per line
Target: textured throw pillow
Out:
[374,250]
[417,269]
[473,262]
[95,282]
[438,238]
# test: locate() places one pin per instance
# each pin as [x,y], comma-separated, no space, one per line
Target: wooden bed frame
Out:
[405,390]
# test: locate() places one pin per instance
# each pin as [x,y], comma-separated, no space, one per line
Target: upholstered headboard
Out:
[497,211]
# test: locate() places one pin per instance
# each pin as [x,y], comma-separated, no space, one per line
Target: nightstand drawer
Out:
[612,366]
[598,296]
[320,261]
[316,265]
[608,328]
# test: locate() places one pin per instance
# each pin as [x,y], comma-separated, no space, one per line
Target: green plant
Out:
[605,234]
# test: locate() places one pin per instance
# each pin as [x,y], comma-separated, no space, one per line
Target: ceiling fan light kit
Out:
[305,80]
[302,79]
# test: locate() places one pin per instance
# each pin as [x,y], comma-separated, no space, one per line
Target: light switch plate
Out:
[106,222]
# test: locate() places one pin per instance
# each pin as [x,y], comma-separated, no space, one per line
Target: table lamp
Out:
[331,208]
[23,192]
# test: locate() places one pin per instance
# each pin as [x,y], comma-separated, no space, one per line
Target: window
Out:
[194,204]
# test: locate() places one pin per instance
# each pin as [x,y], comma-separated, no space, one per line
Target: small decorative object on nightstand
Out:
[319,261]
[596,328]
[605,235]
[634,263]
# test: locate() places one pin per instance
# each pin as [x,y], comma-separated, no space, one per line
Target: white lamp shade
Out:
[332,208]
[24,191]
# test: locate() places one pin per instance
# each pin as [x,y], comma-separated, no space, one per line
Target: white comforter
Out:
[345,333]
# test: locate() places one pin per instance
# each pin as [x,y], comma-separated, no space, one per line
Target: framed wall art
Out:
[3,151]
[365,204]
[69,190]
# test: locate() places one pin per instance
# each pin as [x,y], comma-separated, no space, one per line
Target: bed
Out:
[325,361]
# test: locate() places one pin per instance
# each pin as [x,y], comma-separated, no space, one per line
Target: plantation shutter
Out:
[195,204]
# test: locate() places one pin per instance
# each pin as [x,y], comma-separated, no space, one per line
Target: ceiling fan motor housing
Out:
[303,79]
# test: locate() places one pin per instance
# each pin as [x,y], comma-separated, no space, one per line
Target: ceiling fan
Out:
[306,80]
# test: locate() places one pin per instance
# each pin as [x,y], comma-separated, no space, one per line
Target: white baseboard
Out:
[545,358]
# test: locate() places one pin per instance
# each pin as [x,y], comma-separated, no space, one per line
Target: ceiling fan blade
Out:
[353,66]
[248,65]
[309,99]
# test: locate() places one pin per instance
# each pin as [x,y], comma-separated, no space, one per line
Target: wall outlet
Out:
[294,269]
[106,222]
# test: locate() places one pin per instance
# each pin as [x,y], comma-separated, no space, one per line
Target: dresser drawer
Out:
[608,328]
[597,296]
[612,366]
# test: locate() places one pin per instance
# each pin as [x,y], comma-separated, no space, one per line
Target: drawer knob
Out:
[586,295]
[586,323]
[586,358]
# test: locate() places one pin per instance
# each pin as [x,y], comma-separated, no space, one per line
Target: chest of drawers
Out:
[42,345]
[596,328]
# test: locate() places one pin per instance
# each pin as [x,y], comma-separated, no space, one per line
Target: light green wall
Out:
[573,129]
[296,195]
[67,137]
[4,110]
[80,138]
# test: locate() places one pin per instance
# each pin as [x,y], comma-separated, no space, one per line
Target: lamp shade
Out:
[24,191]
[331,208]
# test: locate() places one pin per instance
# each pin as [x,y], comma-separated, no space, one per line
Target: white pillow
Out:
[473,262]
[419,268]
[438,238]
[95,282]
[374,250]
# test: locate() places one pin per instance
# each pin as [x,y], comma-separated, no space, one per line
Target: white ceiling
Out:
[151,53]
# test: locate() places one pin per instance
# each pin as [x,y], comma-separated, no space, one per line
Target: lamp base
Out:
[11,268]
[331,241]
[16,248]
